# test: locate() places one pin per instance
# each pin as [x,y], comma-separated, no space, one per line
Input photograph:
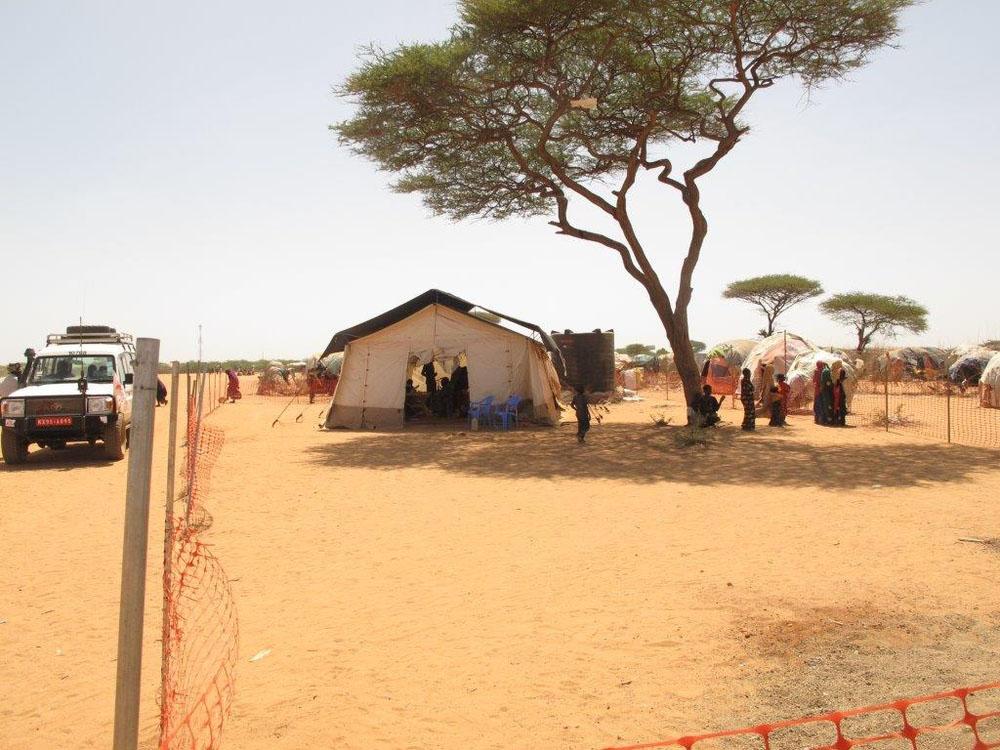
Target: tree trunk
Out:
[862,341]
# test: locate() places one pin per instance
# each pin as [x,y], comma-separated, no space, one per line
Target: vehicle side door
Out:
[126,373]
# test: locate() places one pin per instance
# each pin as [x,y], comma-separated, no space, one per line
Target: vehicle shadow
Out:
[644,454]
[71,457]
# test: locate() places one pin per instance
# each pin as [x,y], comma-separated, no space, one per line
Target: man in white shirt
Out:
[12,382]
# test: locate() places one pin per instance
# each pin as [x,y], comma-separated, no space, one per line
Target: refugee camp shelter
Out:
[803,368]
[382,353]
[722,368]
[775,354]
[989,384]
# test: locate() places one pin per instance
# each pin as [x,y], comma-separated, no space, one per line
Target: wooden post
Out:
[168,544]
[887,392]
[947,390]
[133,591]
[193,442]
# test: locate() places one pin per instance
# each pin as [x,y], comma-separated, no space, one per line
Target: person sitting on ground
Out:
[161,393]
[785,395]
[581,405]
[706,407]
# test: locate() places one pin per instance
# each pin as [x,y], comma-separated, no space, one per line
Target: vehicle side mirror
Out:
[129,378]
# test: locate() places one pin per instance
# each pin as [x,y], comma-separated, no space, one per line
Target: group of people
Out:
[446,398]
[829,399]
[829,396]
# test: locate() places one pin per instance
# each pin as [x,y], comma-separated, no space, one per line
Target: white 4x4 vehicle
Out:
[77,389]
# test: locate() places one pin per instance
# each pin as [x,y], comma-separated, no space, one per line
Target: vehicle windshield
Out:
[72,367]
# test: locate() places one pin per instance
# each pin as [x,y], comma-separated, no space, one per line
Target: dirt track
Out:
[435,589]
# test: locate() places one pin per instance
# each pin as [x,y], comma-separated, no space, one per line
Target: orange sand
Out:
[431,589]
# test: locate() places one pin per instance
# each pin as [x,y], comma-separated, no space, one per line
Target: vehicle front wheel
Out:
[13,447]
[114,440]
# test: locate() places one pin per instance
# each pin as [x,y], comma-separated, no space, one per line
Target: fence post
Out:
[134,547]
[947,391]
[887,394]
[168,543]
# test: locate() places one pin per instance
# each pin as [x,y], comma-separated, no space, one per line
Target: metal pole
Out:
[168,544]
[133,591]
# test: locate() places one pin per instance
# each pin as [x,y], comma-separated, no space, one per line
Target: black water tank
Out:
[590,359]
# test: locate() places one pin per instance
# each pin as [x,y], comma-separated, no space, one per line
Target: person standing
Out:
[430,377]
[784,395]
[826,396]
[818,392]
[581,406]
[233,388]
[748,401]
[12,381]
[775,397]
[840,400]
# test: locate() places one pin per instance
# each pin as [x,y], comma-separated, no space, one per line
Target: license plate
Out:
[54,422]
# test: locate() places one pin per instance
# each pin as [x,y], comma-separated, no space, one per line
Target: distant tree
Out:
[875,314]
[661,352]
[773,294]
[532,106]
[698,346]
[993,344]
[634,350]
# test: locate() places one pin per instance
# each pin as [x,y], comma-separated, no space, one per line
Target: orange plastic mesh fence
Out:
[201,637]
[962,719]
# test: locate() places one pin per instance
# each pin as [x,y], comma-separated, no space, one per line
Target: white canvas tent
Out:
[501,363]
[778,350]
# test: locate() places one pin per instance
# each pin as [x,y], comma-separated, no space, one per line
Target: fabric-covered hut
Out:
[438,328]
[774,355]
[913,363]
[969,366]
[723,363]
[989,383]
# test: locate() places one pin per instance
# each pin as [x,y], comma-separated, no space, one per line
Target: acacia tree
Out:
[773,294]
[533,105]
[875,314]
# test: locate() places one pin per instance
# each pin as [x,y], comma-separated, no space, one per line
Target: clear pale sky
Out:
[169,164]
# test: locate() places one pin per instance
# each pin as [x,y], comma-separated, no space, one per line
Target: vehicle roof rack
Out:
[91,337]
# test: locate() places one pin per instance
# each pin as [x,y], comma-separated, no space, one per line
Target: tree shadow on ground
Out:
[643,454]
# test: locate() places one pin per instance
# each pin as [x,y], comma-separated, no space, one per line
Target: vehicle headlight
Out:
[13,407]
[100,404]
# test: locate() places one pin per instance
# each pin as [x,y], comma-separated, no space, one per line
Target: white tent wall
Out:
[372,385]
[989,384]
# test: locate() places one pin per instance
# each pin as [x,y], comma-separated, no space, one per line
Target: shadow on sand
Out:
[75,456]
[645,454]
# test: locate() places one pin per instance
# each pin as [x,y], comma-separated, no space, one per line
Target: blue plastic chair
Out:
[506,414]
[481,411]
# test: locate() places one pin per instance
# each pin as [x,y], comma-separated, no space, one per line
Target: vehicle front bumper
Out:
[90,427]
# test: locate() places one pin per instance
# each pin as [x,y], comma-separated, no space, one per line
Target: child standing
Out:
[582,408]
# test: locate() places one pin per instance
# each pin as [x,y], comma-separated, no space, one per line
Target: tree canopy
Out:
[773,294]
[530,106]
[875,314]
[634,350]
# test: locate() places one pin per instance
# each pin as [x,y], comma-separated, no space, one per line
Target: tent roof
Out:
[418,303]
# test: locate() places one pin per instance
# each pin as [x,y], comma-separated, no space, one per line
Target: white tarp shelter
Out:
[989,384]
[501,363]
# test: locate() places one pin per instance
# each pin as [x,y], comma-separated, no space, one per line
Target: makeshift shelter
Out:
[969,367]
[989,383]
[437,327]
[800,377]
[723,364]
[775,354]
[913,363]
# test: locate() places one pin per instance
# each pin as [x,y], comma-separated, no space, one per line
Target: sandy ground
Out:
[435,589]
